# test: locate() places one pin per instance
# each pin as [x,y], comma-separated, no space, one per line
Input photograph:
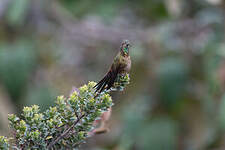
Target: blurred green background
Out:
[176,98]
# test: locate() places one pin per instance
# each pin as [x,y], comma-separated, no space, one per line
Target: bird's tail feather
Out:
[108,80]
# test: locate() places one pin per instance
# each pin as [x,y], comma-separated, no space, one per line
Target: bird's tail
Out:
[107,80]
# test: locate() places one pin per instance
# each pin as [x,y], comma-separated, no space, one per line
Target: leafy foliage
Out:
[66,125]
[4,142]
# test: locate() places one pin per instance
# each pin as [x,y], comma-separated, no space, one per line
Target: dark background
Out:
[176,96]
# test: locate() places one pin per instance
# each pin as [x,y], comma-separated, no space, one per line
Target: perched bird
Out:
[121,64]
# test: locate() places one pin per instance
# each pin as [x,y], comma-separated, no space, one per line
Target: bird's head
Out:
[125,46]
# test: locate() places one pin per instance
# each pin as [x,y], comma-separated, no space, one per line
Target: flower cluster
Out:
[64,126]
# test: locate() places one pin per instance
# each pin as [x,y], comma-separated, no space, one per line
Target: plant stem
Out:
[65,132]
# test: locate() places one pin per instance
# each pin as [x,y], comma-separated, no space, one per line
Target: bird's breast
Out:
[128,66]
[125,64]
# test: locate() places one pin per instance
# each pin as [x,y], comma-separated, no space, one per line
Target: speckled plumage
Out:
[121,64]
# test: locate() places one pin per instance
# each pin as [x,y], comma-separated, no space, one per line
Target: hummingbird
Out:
[121,65]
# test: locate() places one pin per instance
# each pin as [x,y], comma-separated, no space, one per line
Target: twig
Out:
[65,132]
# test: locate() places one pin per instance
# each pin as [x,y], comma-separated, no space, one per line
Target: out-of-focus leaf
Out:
[17,11]
[43,96]
[222,112]
[17,61]
[159,134]
[135,115]
[172,75]
[152,9]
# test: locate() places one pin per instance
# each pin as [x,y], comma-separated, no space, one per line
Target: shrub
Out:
[64,126]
